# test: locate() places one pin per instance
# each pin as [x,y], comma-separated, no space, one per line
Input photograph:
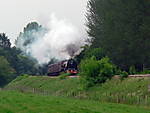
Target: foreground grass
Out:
[128,91]
[16,102]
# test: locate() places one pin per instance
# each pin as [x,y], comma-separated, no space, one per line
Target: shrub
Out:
[145,72]
[106,70]
[117,71]
[7,73]
[123,75]
[132,70]
[89,69]
[93,71]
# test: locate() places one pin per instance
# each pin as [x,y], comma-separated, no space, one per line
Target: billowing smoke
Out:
[61,40]
[73,49]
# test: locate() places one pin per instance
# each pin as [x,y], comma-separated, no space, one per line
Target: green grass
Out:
[128,91]
[16,102]
[53,85]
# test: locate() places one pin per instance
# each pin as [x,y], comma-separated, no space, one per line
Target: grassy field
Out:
[17,102]
[128,91]
[54,86]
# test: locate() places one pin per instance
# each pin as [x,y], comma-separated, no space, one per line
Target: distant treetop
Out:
[4,41]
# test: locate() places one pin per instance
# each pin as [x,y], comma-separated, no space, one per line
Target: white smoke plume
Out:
[62,41]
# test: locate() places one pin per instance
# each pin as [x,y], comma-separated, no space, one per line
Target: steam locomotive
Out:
[67,66]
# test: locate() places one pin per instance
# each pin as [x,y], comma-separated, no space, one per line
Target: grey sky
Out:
[15,14]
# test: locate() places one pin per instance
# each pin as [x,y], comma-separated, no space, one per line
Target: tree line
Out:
[122,29]
[120,40]
[15,61]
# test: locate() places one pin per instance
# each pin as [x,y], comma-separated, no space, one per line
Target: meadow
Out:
[17,102]
[133,91]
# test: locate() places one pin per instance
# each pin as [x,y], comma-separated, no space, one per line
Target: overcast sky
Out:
[15,14]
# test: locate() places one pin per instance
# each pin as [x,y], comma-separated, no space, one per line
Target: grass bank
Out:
[17,102]
[128,91]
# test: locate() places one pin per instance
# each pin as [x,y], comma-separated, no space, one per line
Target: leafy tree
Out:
[26,65]
[21,64]
[96,71]
[6,72]
[89,69]
[122,29]
[88,52]
[97,52]
[106,70]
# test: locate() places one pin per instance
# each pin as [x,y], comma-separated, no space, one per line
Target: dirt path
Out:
[140,75]
[116,76]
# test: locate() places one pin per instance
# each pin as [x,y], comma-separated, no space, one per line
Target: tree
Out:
[20,63]
[6,72]
[122,29]
[26,65]
[96,71]
[30,34]
[4,41]
[88,52]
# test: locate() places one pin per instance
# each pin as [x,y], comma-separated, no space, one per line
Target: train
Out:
[66,66]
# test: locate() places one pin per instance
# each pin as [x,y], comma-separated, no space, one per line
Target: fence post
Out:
[117,98]
[146,100]
[33,90]
[139,100]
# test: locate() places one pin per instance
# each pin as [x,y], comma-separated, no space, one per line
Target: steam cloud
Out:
[62,41]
